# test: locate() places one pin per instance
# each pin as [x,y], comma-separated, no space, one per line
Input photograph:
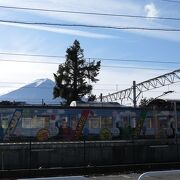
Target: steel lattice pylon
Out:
[130,93]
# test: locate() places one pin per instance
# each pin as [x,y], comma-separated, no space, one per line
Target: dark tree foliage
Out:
[156,103]
[11,103]
[145,102]
[92,97]
[74,76]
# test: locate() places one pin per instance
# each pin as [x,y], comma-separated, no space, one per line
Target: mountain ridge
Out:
[37,92]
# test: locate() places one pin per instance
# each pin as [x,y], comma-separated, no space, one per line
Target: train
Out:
[90,121]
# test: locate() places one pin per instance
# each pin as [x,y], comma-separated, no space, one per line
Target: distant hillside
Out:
[36,92]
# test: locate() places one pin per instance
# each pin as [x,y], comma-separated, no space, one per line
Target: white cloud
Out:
[60,30]
[113,6]
[151,10]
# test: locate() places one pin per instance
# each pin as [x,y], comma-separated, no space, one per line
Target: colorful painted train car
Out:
[91,122]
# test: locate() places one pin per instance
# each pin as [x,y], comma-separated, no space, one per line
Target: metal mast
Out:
[133,92]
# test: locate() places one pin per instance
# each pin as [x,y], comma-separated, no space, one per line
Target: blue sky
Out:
[97,43]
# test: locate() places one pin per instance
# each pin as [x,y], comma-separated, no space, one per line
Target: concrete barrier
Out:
[91,153]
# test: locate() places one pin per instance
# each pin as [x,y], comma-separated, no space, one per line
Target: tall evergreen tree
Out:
[74,76]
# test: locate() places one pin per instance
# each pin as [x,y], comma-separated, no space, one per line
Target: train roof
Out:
[95,104]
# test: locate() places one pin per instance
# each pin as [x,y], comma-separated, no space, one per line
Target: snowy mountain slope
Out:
[37,92]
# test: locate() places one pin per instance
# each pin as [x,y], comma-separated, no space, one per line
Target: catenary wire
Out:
[89,13]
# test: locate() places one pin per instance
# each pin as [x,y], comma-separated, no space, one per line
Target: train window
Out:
[163,122]
[26,122]
[35,122]
[64,122]
[94,122]
[106,122]
[5,122]
[178,124]
[148,122]
[74,122]
[100,122]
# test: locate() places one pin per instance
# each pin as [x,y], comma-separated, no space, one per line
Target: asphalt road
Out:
[132,176]
[135,177]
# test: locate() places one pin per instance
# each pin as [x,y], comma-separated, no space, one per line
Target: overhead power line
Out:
[42,87]
[91,26]
[95,89]
[140,68]
[89,58]
[38,55]
[136,60]
[26,85]
[99,84]
[28,61]
[171,1]
[106,66]
[89,13]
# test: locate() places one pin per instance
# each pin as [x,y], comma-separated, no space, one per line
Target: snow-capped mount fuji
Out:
[38,92]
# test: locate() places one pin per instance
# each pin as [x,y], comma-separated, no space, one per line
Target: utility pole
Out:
[101,97]
[134,94]
[175,119]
